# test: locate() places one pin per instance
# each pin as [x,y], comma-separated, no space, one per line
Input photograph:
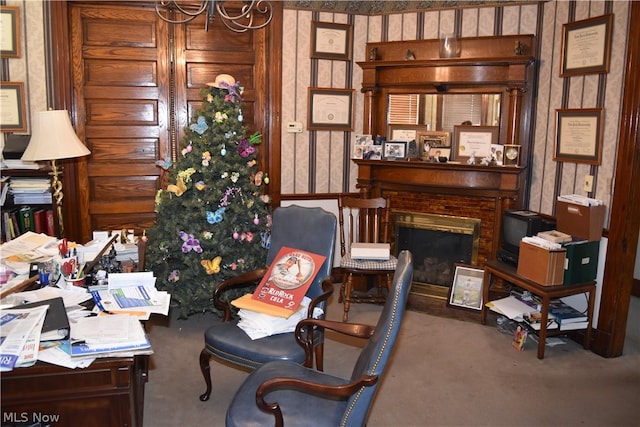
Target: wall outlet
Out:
[588,183]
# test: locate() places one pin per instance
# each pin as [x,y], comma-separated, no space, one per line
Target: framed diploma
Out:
[586,46]
[579,135]
[473,141]
[9,32]
[12,109]
[330,109]
[331,41]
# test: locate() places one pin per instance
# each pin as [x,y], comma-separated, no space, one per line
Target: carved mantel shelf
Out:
[491,181]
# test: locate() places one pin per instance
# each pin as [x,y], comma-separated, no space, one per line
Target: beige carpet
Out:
[444,373]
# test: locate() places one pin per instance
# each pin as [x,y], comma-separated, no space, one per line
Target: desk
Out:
[508,273]
[110,392]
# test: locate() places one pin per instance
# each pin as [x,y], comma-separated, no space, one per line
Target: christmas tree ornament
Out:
[166,163]
[200,126]
[212,266]
[256,220]
[223,151]
[240,116]
[236,236]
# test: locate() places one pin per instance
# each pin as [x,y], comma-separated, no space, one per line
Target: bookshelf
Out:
[508,273]
[46,218]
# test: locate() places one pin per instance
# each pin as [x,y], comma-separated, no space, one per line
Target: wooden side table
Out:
[508,273]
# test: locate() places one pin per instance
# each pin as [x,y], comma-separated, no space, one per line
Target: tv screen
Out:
[517,224]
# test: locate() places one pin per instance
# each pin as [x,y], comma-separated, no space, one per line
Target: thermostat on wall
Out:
[294,127]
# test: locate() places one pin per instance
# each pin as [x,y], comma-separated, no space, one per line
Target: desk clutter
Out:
[83,301]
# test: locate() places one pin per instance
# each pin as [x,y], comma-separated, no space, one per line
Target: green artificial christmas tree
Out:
[213,220]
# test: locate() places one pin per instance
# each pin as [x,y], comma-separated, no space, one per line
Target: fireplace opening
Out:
[437,243]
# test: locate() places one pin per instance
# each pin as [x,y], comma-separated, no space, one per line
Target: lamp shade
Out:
[53,138]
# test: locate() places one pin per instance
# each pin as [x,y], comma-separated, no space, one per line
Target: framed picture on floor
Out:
[466,288]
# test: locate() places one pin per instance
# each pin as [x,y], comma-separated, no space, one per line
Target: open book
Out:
[285,284]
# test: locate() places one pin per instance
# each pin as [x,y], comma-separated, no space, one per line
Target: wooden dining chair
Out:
[363,221]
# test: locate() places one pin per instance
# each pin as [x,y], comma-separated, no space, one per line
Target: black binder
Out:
[56,322]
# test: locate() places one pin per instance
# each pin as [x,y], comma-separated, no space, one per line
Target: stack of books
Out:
[561,316]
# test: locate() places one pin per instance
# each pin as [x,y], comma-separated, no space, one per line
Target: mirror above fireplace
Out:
[495,72]
[441,112]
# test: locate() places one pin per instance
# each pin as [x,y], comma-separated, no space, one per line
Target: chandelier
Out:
[237,21]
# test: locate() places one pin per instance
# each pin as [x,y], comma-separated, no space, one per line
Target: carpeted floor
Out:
[444,372]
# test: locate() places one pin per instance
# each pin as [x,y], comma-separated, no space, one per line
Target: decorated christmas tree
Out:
[213,220]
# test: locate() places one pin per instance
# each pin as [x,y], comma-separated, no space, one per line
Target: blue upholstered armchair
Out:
[300,396]
[308,229]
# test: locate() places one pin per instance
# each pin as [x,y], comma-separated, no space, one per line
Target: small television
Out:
[517,224]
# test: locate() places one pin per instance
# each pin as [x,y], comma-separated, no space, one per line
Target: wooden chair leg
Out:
[206,373]
[341,294]
[347,298]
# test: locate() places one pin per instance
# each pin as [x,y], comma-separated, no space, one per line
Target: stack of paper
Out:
[580,200]
[106,334]
[134,294]
[511,307]
[31,190]
[260,325]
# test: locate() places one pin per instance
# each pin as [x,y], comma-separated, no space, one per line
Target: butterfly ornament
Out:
[212,266]
[179,188]
[200,126]
[190,243]
[244,149]
[215,217]
[166,163]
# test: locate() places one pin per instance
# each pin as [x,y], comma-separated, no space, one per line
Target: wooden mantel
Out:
[446,188]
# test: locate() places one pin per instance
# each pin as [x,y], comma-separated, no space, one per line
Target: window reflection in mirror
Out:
[441,112]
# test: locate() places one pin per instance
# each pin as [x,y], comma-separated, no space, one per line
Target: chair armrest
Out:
[304,336]
[244,279]
[322,390]
[327,290]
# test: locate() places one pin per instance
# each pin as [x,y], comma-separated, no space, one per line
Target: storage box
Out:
[581,263]
[380,251]
[583,222]
[543,266]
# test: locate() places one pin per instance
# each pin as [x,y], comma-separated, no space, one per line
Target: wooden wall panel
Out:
[121,79]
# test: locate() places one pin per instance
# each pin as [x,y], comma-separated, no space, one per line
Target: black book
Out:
[56,322]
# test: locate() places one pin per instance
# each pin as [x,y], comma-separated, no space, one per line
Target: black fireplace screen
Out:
[437,243]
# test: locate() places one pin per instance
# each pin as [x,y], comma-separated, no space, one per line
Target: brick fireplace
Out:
[479,193]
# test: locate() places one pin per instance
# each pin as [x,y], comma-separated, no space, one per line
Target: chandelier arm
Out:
[239,23]
[162,6]
[232,22]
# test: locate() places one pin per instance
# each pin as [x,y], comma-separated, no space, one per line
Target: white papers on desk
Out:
[25,244]
[125,280]
[106,335]
[133,293]
[511,307]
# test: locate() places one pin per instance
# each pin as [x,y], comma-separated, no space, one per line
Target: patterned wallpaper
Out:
[319,161]
[30,67]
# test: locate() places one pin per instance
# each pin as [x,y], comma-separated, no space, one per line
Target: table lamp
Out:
[54,138]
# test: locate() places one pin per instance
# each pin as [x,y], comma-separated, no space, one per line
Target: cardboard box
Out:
[541,265]
[583,222]
[581,263]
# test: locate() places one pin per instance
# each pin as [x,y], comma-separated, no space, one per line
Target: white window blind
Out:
[403,109]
